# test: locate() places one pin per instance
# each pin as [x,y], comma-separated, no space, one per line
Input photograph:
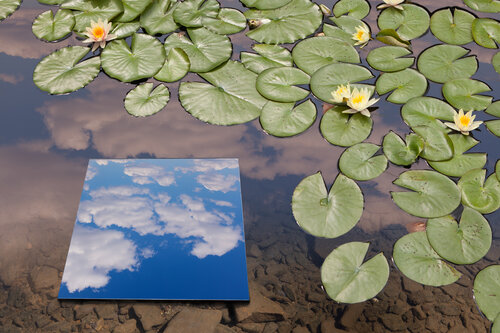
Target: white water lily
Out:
[360,101]
[342,94]
[464,123]
[391,3]
[361,36]
[98,33]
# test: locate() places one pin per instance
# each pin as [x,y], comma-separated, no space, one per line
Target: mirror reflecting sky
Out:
[158,229]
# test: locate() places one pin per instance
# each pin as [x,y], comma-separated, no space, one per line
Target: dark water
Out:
[46,141]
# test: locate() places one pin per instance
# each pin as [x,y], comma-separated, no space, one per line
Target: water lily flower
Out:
[391,3]
[361,36]
[342,94]
[98,33]
[464,123]
[360,101]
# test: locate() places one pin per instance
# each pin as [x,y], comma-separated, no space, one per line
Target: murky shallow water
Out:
[45,142]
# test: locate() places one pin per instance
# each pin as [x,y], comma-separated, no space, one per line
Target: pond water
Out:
[46,142]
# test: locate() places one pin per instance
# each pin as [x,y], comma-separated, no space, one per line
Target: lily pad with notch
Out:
[190,13]
[487,6]
[51,27]
[427,111]
[355,8]
[158,18]
[228,21]
[462,94]
[279,84]
[87,11]
[452,27]
[345,130]
[437,144]
[483,196]
[399,152]
[486,287]
[143,101]
[410,23]
[268,56]
[494,109]
[405,85]
[176,66]
[359,162]
[493,126]
[486,32]
[390,58]
[286,119]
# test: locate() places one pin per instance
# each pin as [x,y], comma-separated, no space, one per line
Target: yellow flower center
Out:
[98,32]
[358,99]
[360,34]
[465,120]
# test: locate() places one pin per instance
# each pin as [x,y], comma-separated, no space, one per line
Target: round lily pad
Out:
[325,214]
[417,260]
[452,28]
[86,11]
[399,152]
[486,32]
[359,163]
[51,27]
[495,61]
[432,195]
[265,4]
[158,18]
[176,66]
[487,6]
[142,102]
[411,22]
[132,9]
[268,56]
[427,111]
[122,30]
[486,291]
[478,194]
[62,72]
[345,130]
[356,8]
[391,37]
[461,93]
[493,126]
[278,84]
[437,144]
[284,119]
[190,13]
[494,109]
[389,58]
[228,21]
[345,276]
[443,63]
[404,85]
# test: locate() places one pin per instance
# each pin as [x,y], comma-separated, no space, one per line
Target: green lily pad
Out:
[359,163]
[284,119]
[122,30]
[495,61]
[389,58]
[176,66]
[62,72]
[496,325]
[464,243]
[417,260]
[230,99]
[486,291]
[7,7]
[433,195]
[486,32]
[452,28]
[461,93]
[347,279]
[51,27]
[132,9]
[51,2]
[278,84]
[313,53]
[356,8]
[427,111]
[268,56]
[493,126]
[325,214]
[287,24]
[158,18]
[328,78]
[494,109]
[460,163]
[142,102]
[399,152]
[265,4]
[404,85]
[497,169]
[228,21]
[335,32]
[87,11]
[443,63]
[190,13]
[487,6]
[345,130]
[410,23]
[143,59]
[478,194]
[346,28]
[392,38]
[437,144]
[205,49]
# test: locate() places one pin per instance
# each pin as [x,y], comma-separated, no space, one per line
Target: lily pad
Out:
[287,24]
[190,13]
[389,58]
[158,18]
[427,111]
[347,26]
[205,49]
[87,11]
[452,28]
[460,163]
[443,63]
[265,4]
[493,126]
[325,214]
[344,130]
[176,66]
[417,260]
[496,325]
[404,85]
[7,7]
[143,59]
[62,72]
[284,119]
[356,8]
[122,30]
[142,102]
[335,32]
[347,279]
[132,9]
[230,99]
[495,61]
[478,194]
[486,32]
[268,56]
[392,38]
[51,27]
[486,287]
[437,144]
[497,169]
[461,93]
[51,2]
[278,84]
[494,109]
[359,163]
[464,243]
[228,21]
[433,195]
[411,22]
[487,6]
[399,152]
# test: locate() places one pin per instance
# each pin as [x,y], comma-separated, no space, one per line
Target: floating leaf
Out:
[487,6]
[335,32]
[176,66]
[399,152]
[452,28]
[230,99]
[496,325]
[495,61]
[411,22]
[486,287]
[493,126]
[355,8]
[404,85]
[51,2]
[7,7]
[132,9]
[347,26]
[122,30]
[418,261]
[51,28]
[278,84]
[464,243]
[391,37]
[437,144]
[478,194]
[325,214]
[425,111]
[143,59]
[494,109]
[287,24]
[87,11]
[142,102]
[206,50]
[265,4]
[268,56]
[228,21]
[345,130]
[461,93]
[497,170]
[359,163]
[190,13]
[389,58]
[434,195]
[443,63]
[347,279]
[61,72]
[486,32]
[158,17]
[284,119]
